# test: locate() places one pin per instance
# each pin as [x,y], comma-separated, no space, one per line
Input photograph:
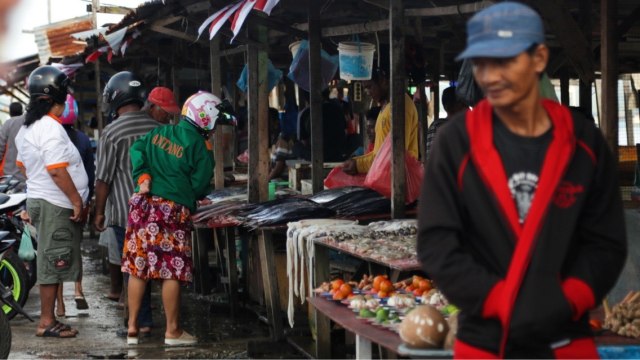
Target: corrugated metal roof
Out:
[54,40]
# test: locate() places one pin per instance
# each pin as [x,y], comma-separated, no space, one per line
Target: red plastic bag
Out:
[338,178]
[379,176]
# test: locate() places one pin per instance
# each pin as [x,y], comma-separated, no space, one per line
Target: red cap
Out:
[164,98]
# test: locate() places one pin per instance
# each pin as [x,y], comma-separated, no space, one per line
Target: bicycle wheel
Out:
[13,275]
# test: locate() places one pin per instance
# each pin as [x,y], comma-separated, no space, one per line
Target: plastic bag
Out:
[26,252]
[338,178]
[274,76]
[379,176]
[467,89]
[299,69]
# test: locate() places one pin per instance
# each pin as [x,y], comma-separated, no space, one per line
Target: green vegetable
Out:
[450,309]
[382,315]
[366,313]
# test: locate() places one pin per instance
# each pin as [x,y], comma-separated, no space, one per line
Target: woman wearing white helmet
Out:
[173,166]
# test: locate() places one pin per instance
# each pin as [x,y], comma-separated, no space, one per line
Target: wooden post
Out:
[396,34]
[609,61]
[564,88]
[216,85]
[258,118]
[585,22]
[96,68]
[315,98]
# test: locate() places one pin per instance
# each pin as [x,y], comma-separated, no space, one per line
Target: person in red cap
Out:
[161,105]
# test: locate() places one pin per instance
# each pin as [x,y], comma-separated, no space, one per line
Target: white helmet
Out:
[200,109]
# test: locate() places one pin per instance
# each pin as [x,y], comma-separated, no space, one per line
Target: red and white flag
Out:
[241,16]
[96,54]
[218,19]
[115,39]
[266,5]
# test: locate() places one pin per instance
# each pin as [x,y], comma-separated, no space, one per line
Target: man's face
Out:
[377,89]
[159,115]
[507,82]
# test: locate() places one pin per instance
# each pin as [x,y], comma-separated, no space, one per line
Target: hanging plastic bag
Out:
[274,76]
[26,252]
[338,178]
[299,69]
[467,89]
[379,176]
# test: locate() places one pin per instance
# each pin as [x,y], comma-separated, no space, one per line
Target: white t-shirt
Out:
[43,146]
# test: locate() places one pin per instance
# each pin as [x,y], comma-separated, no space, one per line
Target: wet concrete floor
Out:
[219,335]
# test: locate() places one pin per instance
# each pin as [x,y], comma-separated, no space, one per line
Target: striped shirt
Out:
[114,163]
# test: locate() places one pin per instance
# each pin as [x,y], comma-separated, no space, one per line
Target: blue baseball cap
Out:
[502,30]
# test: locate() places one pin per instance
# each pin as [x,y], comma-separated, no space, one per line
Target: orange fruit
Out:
[424,285]
[345,289]
[416,281]
[335,284]
[386,286]
[377,280]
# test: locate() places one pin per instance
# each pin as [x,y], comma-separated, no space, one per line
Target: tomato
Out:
[386,286]
[595,324]
[377,280]
[338,296]
[418,292]
[409,288]
[382,294]
[345,289]
[335,284]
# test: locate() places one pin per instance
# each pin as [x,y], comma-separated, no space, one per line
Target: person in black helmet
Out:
[123,98]
[57,191]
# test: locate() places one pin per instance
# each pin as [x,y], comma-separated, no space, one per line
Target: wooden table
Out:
[366,334]
[202,277]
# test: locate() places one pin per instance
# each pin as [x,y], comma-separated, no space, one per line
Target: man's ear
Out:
[540,58]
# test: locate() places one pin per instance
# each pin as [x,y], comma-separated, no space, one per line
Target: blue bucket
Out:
[356,60]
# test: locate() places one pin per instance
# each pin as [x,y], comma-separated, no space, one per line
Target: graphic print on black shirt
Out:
[522,158]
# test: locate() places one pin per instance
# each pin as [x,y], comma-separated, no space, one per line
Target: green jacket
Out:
[178,161]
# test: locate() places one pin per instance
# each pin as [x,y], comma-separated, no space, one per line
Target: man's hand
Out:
[77,213]
[98,222]
[145,186]
[24,216]
[349,167]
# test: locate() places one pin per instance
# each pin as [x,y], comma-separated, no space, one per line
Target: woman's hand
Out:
[349,167]
[145,186]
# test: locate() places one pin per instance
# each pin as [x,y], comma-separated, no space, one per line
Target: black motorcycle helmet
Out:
[48,81]
[123,88]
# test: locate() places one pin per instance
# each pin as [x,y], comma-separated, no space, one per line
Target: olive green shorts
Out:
[59,258]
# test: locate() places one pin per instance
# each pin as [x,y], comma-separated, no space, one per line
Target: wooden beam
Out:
[175,33]
[397,101]
[449,10]
[438,10]
[609,68]
[236,50]
[569,35]
[102,9]
[216,86]
[167,21]
[262,19]
[628,22]
[585,21]
[369,26]
[315,97]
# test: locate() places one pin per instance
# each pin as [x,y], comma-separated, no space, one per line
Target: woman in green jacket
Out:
[173,166]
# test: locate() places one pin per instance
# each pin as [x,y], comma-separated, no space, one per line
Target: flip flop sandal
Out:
[81,302]
[56,329]
[68,327]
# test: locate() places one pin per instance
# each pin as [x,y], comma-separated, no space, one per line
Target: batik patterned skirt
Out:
[157,243]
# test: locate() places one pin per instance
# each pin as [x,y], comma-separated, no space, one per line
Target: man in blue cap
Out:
[520,218]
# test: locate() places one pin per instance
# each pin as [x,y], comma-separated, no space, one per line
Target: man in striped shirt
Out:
[125,95]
